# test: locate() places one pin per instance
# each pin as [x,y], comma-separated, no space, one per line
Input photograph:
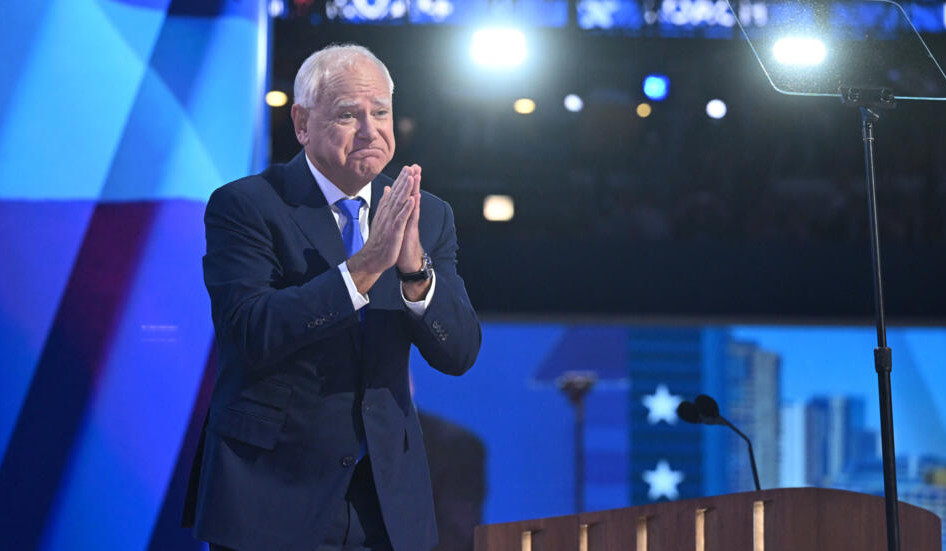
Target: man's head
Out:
[342,114]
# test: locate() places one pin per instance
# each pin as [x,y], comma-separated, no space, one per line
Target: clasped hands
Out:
[394,238]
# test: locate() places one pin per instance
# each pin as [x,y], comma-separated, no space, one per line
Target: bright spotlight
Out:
[498,47]
[801,52]
[524,106]
[277,8]
[276,98]
[644,110]
[656,87]
[498,208]
[574,103]
[716,108]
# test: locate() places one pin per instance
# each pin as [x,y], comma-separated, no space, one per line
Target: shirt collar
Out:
[331,192]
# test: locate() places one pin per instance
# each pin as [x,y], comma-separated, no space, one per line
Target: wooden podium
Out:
[788,519]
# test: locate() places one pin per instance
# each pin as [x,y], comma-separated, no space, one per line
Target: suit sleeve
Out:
[448,335]
[241,272]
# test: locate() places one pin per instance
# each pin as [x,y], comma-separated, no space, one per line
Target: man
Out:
[322,272]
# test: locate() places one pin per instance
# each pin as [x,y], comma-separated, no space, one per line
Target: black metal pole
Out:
[580,456]
[883,362]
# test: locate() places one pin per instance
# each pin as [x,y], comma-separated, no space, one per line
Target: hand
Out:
[410,258]
[383,247]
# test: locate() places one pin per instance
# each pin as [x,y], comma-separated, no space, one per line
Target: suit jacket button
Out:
[348,461]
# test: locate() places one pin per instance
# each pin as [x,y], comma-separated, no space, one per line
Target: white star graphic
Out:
[661,406]
[663,481]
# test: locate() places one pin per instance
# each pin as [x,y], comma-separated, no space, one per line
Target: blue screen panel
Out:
[118,120]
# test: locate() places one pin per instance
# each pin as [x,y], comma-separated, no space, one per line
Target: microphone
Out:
[704,410]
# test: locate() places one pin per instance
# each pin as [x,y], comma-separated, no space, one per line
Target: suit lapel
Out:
[377,190]
[312,213]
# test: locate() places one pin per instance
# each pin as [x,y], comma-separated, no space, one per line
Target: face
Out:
[349,133]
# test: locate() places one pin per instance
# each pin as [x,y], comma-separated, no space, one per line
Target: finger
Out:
[392,203]
[382,210]
[384,198]
[412,184]
[404,213]
[402,176]
[404,190]
[415,212]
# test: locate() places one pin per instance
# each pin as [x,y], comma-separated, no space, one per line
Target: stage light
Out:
[801,52]
[716,108]
[277,8]
[498,208]
[644,110]
[498,47]
[276,98]
[574,103]
[406,126]
[524,106]
[656,87]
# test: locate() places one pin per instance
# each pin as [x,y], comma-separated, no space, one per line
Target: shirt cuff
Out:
[418,308]
[358,300]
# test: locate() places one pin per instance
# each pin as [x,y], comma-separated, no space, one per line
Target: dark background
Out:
[762,214]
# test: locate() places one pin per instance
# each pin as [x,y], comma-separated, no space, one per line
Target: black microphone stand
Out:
[705,410]
[576,385]
[755,472]
[870,101]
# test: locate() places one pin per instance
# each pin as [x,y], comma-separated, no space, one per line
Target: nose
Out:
[367,129]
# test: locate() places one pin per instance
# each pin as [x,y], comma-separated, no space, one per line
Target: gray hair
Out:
[318,66]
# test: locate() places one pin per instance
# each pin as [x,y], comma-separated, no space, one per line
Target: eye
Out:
[381,113]
[346,116]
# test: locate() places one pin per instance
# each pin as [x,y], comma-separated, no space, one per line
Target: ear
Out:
[300,119]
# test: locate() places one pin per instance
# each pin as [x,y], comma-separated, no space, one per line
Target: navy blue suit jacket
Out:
[302,380]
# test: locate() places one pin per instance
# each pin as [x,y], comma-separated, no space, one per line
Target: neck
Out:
[348,186]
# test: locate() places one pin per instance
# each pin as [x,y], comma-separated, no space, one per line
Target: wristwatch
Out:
[426,270]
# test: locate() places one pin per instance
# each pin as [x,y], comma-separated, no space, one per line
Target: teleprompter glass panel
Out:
[816,48]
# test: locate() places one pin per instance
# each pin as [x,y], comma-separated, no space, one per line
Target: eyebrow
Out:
[345,104]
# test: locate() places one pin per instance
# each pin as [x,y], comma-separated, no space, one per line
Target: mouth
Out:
[367,152]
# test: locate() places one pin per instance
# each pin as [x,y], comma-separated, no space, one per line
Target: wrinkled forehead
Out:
[355,83]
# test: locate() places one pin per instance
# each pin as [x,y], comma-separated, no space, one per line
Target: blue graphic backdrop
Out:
[117,120]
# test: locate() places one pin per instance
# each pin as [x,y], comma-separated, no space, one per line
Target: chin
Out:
[368,171]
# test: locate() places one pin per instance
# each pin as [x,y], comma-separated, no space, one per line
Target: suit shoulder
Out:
[259,189]
[257,186]
[430,201]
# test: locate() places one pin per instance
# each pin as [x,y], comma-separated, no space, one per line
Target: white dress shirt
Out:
[333,195]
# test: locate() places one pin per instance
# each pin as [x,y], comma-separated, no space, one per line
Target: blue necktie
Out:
[351,231]
[351,235]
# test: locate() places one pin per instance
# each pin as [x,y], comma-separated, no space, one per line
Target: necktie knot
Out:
[350,207]
[351,231]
